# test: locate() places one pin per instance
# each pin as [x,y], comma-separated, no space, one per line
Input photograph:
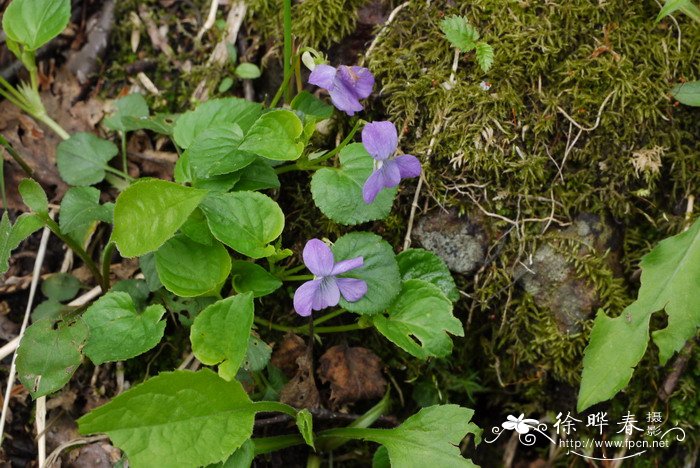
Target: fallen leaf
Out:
[354,374]
[285,356]
[301,391]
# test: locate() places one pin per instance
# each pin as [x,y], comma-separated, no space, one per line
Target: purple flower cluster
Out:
[346,85]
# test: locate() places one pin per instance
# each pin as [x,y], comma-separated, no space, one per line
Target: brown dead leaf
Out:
[301,391]
[354,374]
[285,356]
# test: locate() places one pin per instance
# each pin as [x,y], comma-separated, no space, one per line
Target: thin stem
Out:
[274,443]
[274,326]
[297,167]
[291,271]
[274,407]
[329,316]
[287,48]
[342,144]
[118,173]
[340,328]
[16,156]
[298,278]
[305,329]
[125,166]
[314,461]
[77,249]
[12,90]
[106,264]
[280,91]
[53,125]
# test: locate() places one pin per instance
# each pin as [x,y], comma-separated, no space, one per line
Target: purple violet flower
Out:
[346,85]
[381,140]
[325,289]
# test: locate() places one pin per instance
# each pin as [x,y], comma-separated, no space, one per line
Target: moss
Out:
[316,23]
[510,152]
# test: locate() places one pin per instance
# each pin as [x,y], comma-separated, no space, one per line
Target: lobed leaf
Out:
[459,32]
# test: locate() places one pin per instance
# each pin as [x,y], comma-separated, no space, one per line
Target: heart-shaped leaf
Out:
[249,277]
[215,151]
[82,158]
[424,265]
[275,135]
[129,110]
[81,210]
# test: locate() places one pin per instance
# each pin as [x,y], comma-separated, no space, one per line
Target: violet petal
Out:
[344,99]
[409,166]
[304,297]
[391,172]
[347,265]
[380,139]
[318,257]
[352,289]
[364,81]
[373,185]
[323,76]
[327,295]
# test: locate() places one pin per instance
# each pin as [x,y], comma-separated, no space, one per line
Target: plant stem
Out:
[274,443]
[125,166]
[298,278]
[16,156]
[342,144]
[328,316]
[280,91]
[287,49]
[274,407]
[305,329]
[53,125]
[77,249]
[118,173]
[106,263]
[340,328]
[314,461]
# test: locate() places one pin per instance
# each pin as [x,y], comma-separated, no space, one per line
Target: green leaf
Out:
[424,265]
[670,275]
[687,93]
[249,277]
[310,105]
[81,210]
[159,123]
[247,71]
[133,106]
[241,458]
[381,458]
[136,288]
[257,176]
[48,356]
[188,268]
[213,113]
[459,32]
[420,320]
[33,23]
[60,287]
[429,438]
[215,152]
[379,271]
[177,419]
[245,221]
[671,6]
[149,212]
[338,192]
[197,229]
[275,135]
[147,263]
[83,157]
[484,55]
[257,355]
[220,333]
[11,236]
[225,84]
[118,332]
[305,424]
[33,196]
[50,309]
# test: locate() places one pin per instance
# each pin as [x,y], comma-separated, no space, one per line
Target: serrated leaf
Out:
[257,176]
[33,23]
[197,229]
[429,438]
[338,192]
[241,458]
[424,265]
[118,331]
[188,268]
[484,56]
[82,158]
[129,111]
[275,135]
[220,333]
[459,32]
[419,321]
[670,279]
[379,271]
[687,93]
[310,105]
[33,196]
[215,112]
[11,236]
[149,212]
[81,210]
[245,221]
[60,287]
[215,152]
[249,277]
[305,424]
[48,356]
[147,263]
[177,419]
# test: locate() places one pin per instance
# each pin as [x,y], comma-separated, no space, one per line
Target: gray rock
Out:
[460,242]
